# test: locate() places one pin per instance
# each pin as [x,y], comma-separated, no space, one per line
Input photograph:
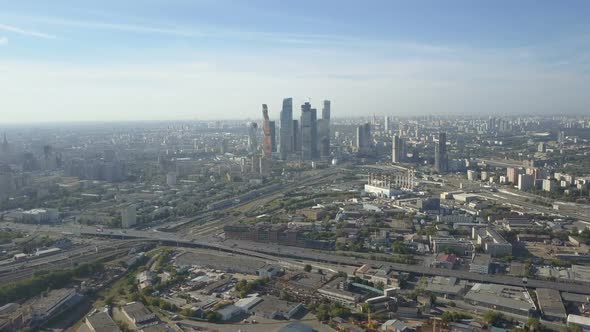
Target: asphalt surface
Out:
[271,251]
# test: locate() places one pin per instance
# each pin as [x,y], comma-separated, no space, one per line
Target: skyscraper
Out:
[441,159]
[267,133]
[363,138]
[273,136]
[286,138]
[387,124]
[397,150]
[252,137]
[324,130]
[308,125]
[296,137]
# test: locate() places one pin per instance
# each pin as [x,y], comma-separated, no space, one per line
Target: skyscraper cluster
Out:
[307,138]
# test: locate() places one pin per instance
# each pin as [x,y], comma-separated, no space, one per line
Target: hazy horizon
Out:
[213,60]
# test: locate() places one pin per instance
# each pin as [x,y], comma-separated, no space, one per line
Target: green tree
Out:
[307,268]
[493,317]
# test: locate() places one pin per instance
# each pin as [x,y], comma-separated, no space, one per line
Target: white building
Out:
[39,216]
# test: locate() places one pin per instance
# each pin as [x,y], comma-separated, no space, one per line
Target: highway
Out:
[272,252]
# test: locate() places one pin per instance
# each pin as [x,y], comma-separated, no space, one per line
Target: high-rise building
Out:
[324,130]
[267,132]
[441,158]
[128,216]
[296,137]
[273,136]
[252,137]
[397,149]
[512,174]
[308,130]
[526,181]
[363,138]
[286,132]
[387,124]
[5,145]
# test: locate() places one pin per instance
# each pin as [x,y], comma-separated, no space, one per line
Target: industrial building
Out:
[510,299]
[550,304]
[492,242]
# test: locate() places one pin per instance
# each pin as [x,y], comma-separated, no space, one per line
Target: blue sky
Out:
[208,59]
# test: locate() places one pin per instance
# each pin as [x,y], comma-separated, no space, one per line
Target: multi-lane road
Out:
[272,252]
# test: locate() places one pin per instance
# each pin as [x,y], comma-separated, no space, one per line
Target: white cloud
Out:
[20,31]
[3,40]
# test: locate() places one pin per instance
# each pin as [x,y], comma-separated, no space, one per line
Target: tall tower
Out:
[267,132]
[441,159]
[5,145]
[363,138]
[308,125]
[273,136]
[324,130]
[397,152]
[286,130]
[252,137]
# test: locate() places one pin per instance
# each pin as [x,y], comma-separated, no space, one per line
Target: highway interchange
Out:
[295,255]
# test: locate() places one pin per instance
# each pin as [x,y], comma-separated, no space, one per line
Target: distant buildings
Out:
[441,158]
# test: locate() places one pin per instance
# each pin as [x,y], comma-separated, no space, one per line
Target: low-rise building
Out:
[550,304]
[480,263]
[138,314]
[492,242]
[510,299]
[99,322]
[337,291]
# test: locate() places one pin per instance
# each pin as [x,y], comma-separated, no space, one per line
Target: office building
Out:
[308,131]
[441,159]
[363,138]
[296,139]
[286,138]
[252,137]
[267,132]
[273,136]
[397,149]
[128,216]
[324,130]
[387,124]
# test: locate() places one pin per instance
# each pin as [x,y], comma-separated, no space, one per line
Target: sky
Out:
[114,60]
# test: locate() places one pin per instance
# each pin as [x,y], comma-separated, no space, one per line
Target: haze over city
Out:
[170,60]
[294,166]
